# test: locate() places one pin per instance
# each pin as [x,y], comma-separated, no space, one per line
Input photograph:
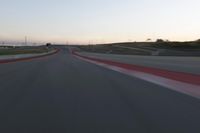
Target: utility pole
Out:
[25,41]
[3,43]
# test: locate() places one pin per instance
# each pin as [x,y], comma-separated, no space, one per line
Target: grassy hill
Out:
[147,48]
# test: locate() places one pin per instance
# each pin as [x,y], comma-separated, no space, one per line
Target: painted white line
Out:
[185,88]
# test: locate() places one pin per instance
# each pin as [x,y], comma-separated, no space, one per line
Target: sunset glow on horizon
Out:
[99,21]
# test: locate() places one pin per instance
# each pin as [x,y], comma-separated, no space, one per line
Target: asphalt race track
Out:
[62,94]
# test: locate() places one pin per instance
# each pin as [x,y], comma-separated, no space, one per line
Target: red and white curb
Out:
[186,83]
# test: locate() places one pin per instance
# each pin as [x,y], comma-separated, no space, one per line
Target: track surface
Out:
[61,94]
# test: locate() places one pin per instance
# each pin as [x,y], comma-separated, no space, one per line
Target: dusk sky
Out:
[99,21]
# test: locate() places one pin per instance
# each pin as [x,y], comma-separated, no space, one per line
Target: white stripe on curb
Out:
[185,88]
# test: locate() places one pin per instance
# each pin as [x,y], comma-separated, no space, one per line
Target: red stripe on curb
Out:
[178,76]
[28,58]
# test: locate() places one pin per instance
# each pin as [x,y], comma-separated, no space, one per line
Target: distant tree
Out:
[160,40]
[48,44]
[198,40]
[149,39]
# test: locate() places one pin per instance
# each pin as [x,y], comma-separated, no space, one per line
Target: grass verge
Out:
[23,50]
